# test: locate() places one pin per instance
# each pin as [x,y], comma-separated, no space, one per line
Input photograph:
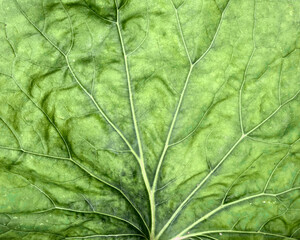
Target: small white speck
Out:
[220,234]
[264,201]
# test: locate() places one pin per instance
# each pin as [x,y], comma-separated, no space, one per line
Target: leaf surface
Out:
[163,119]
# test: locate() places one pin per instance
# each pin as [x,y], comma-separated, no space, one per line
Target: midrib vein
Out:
[166,145]
[141,155]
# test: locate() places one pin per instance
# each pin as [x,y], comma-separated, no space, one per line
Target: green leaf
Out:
[159,119]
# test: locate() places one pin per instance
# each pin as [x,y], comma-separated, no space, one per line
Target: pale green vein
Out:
[93,57]
[279,81]
[9,42]
[198,238]
[103,18]
[181,32]
[146,34]
[136,128]
[33,153]
[37,187]
[266,142]
[129,88]
[107,236]
[295,232]
[43,112]
[210,237]
[273,113]
[246,71]
[71,26]
[89,203]
[12,131]
[4,232]
[239,176]
[274,169]
[215,35]
[295,178]
[237,222]
[235,232]
[270,219]
[91,212]
[208,163]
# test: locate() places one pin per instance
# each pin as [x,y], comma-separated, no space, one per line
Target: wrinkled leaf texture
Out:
[150,119]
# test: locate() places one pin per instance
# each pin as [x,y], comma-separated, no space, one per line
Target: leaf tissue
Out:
[150,119]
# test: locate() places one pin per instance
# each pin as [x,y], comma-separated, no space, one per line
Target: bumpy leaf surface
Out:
[150,119]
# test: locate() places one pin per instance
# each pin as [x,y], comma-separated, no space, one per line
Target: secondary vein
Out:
[179,105]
